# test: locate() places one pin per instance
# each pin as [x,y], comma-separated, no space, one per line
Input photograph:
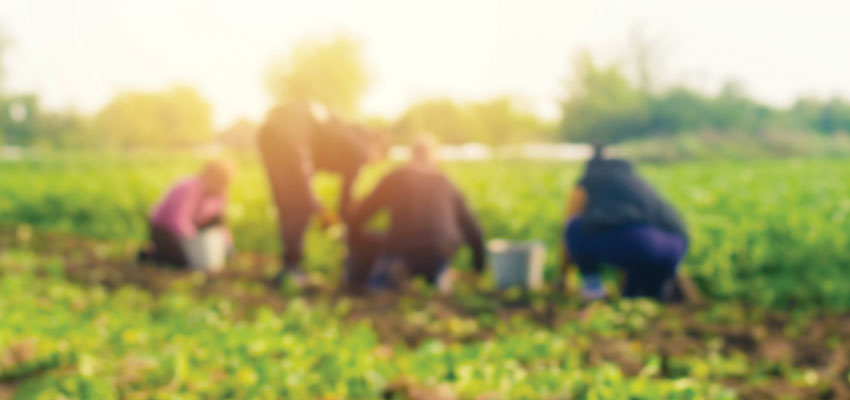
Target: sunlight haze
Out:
[79,53]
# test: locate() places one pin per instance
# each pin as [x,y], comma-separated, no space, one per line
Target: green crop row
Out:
[771,232]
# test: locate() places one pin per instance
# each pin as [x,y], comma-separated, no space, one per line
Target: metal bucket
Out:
[517,263]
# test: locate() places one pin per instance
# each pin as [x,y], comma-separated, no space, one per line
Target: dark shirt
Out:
[616,196]
[294,146]
[428,214]
[338,147]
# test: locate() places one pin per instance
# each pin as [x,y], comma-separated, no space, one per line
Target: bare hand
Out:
[328,218]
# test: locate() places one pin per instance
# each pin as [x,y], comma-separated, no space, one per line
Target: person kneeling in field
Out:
[616,218]
[429,221]
[187,226]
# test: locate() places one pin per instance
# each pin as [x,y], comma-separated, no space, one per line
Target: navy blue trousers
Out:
[648,255]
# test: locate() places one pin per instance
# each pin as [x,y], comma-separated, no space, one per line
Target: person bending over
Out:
[294,144]
[190,208]
[429,221]
[615,218]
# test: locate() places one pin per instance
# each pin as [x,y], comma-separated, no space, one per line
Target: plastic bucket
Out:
[517,263]
[207,251]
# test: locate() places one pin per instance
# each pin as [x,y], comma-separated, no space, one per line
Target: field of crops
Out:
[79,320]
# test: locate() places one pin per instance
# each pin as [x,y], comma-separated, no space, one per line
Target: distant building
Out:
[556,151]
[12,153]
[464,152]
[483,152]
[467,152]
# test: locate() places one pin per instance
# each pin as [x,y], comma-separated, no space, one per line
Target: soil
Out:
[769,338]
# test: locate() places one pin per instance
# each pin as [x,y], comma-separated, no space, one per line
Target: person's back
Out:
[187,206]
[616,218]
[425,209]
[618,197]
[429,218]
[339,147]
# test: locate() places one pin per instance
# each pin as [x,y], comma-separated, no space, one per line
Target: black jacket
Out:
[616,196]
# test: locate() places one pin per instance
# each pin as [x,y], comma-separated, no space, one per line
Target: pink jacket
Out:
[186,207]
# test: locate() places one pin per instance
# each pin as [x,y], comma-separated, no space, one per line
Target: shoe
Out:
[297,276]
[592,288]
[681,289]
[144,256]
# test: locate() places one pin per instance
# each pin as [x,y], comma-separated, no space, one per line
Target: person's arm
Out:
[353,156]
[215,220]
[187,198]
[379,198]
[576,204]
[472,232]
[348,180]
[211,211]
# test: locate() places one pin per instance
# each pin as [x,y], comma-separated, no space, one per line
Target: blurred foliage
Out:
[829,116]
[329,71]
[716,146]
[173,117]
[498,121]
[23,122]
[4,45]
[177,116]
[62,340]
[620,101]
[604,105]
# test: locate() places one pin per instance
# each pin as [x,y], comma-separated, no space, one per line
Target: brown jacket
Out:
[428,214]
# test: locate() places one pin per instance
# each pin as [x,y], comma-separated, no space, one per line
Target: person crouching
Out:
[187,226]
[429,221]
[616,218]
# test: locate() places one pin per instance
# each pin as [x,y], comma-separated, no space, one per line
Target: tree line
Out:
[605,106]
[602,103]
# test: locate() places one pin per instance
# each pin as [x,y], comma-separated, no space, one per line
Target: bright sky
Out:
[81,52]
